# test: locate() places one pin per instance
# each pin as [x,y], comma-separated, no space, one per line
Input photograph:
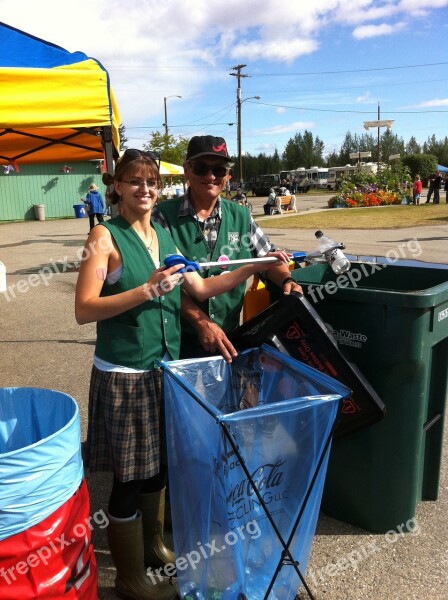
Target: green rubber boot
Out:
[152,507]
[126,548]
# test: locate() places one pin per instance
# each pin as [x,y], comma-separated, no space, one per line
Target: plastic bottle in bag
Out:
[334,256]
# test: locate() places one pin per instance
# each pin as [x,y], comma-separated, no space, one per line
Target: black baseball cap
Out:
[207,145]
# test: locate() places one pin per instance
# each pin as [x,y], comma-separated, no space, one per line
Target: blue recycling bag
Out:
[242,435]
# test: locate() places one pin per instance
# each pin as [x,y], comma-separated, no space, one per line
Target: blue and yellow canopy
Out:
[54,105]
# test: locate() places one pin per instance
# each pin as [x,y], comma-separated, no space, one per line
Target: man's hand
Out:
[210,335]
[290,286]
[281,275]
[213,339]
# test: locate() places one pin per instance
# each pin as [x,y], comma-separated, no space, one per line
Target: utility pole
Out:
[384,123]
[239,76]
[379,157]
[165,98]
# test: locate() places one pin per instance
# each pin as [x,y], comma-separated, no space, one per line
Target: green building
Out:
[58,186]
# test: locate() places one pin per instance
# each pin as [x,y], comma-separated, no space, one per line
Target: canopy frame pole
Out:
[106,138]
[52,142]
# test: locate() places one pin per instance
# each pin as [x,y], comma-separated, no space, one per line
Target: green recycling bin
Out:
[392,322]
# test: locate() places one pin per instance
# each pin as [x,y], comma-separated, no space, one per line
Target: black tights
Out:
[123,499]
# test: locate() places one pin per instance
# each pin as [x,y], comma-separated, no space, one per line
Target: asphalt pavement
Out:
[42,346]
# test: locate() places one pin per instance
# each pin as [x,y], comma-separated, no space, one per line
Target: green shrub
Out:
[420,164]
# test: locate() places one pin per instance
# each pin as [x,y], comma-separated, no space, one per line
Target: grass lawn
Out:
[381,217]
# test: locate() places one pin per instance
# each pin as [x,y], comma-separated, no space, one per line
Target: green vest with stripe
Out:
[233,241]
[141,336]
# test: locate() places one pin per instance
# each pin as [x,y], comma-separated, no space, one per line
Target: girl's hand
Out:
[162,281]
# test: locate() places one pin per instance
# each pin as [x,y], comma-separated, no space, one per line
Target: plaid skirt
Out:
[126,427]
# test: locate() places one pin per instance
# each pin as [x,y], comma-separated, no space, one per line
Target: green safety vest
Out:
[142,335]
[233,240]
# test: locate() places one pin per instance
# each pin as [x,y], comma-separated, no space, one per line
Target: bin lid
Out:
[379,283]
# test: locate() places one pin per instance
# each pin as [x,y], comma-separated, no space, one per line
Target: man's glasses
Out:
[151,184]
[154,156]
[200,169]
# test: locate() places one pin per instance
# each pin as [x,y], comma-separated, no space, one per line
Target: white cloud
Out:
[264,149]
[363,99]
[430,103]
[157,48]
[276,129]
[370,31]
[275,50]
[162,30]
[421,7]
[441,102]
[365,10]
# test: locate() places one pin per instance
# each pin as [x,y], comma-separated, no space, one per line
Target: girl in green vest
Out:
[135,303]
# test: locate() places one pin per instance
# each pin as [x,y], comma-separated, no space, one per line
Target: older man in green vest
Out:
[205,226]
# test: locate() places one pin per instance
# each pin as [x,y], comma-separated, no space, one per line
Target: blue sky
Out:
[318,65]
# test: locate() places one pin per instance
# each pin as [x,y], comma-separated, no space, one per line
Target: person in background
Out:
[295,183]
[204,227]
[227,189]
[417,189]
[240,197]
[446,188]
[95,205]
[135,303]
[270,202]
[430,189]
[407,192]
[437,186]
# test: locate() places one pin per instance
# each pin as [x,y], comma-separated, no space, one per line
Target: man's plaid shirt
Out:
[260,243]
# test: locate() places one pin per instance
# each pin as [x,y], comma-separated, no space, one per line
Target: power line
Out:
[199,68]
[202,124]
[357,87]
[153,68]
[358,112]
[197,122]
[215,113]
[348,70]
[301,90]
[182,125]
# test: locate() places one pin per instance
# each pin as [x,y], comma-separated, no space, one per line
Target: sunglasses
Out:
[151,184]
[200,169]
[154,156]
